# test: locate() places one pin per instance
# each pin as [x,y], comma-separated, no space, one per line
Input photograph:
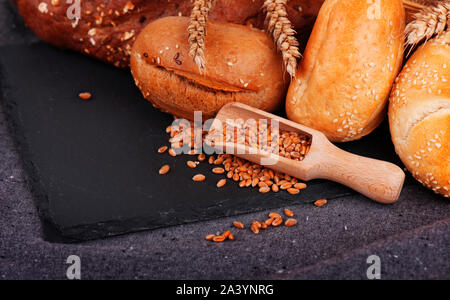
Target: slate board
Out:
[93,165]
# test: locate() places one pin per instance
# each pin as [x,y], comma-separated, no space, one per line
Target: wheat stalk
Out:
[197,31]
[279,26]
[429,22]
[412,5]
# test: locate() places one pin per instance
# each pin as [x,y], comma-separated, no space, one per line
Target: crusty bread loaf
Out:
[242,66]
[352,58]
[107,29]
[419,115]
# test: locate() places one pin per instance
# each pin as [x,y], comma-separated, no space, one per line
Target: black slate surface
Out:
[94,163]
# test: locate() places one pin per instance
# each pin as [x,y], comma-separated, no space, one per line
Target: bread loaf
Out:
[419,115]
[106,30]
[242,66]
[352,58]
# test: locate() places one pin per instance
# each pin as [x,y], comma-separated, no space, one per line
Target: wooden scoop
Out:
[378,180]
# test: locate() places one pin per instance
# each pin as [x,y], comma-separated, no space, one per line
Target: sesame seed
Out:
[43,7]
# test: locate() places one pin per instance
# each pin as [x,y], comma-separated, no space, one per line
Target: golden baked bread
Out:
[419,115]
[106,30]
[352,58]
[241,66]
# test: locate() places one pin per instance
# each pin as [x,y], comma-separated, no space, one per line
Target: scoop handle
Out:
[378,180]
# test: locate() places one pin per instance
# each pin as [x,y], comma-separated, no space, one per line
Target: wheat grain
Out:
[279,26]
[197,31]
[431,21]
[290,222]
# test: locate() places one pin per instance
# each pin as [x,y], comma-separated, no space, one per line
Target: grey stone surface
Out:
[411,237]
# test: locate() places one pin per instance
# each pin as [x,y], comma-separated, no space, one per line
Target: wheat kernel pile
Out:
[290,145]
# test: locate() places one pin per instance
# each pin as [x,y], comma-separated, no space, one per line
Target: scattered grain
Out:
[290,222]
[218,170]
[162,149]
[199,178]
[320,203]
[238,225]
[164,169]
[221,183]
[172,152]
[293,191]
[300,186]
[277,222]
[210,237]
[219,239]
[264,189]
[288,212]
[85,95]
[191,164]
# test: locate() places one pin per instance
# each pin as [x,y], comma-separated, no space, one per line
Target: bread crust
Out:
[419,115]
[350,63]
[107,29]
[241,66]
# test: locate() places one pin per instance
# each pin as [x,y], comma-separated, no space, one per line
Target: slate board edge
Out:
[31,174]
[108,228]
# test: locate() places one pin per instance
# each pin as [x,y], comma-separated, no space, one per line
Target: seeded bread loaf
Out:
[419,115]
[106,30]
[352,58]
[242,66]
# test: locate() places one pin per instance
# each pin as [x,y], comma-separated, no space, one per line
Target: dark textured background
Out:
[411,237]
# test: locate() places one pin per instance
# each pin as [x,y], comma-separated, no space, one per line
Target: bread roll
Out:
[350,63]
[419,115]
[241,66]
[107,29]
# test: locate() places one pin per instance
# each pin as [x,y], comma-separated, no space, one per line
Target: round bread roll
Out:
[241,66]
[352,58]
[419,115]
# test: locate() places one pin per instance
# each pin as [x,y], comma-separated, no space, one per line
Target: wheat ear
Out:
[431,21]
[279,26]
[413,6]
[197,31]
